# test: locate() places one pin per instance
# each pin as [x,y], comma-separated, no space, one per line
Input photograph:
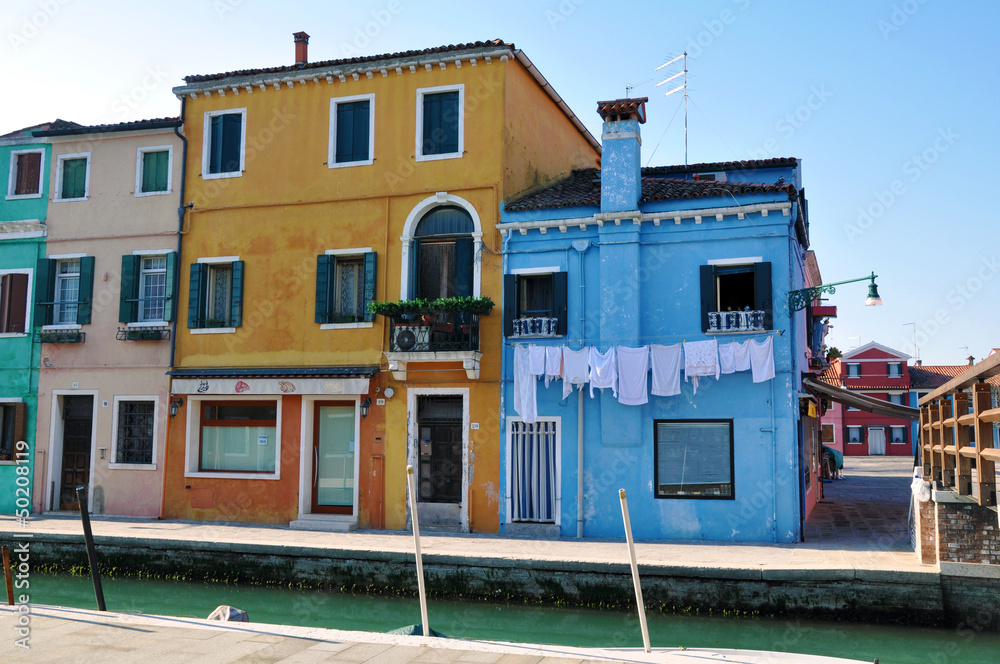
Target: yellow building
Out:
[314,189]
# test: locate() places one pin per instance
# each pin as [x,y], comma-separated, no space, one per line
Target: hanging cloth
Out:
[701,358]
[633,367]
[603,370]
[536,360]
[553,363]
[666,363]
[762,359]
[734,357]
[525,386]
[575,369]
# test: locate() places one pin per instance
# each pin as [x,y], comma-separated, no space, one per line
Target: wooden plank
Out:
[969,452]
[950,449]
[991,454]
[991,415]
[950,422]
[967,420]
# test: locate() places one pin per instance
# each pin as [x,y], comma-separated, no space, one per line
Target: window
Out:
[223,145]
[352,131]
[25,180]
[854,435]
[694,459]
[895,398]
[345,284]
[895,370]
[215,299]
[147,289]
[12,426]
[440,122]
[152,170]
[136,432]
[72,177]
[736,298]
[441,260]
[826,433]
[854,370]
[14,289]
[898,435]
[64,291]
[238,436]
[535,304]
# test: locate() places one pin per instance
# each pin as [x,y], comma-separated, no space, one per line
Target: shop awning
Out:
[273,380]
[860,401]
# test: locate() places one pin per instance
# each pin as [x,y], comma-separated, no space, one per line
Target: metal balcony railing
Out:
[437,332]
[735,321]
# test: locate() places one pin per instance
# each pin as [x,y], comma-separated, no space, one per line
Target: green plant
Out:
[216,322]
[473,305]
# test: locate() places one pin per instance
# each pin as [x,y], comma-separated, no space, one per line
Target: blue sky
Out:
[889,104]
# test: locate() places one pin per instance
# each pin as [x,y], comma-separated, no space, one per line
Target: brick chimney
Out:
[301,48]
[971,360]
[621,174]
[918,363]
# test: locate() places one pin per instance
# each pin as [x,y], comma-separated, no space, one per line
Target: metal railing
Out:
[735,321]
[438,332]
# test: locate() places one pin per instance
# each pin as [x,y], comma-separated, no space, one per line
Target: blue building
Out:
[626,256]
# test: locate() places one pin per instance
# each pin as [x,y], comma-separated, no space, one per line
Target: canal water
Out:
[524,623]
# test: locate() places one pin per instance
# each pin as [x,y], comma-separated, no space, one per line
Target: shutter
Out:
[707,294]
[196,295]
[74,178]
[463,266]
[509,303]
[154,171]
[369,293]
[432,124]
[215,149]
[170,287]
[232,135]
[45,279]
[28,167]
[559,300]
[362,119]
[323,272]
[449,123]
[17,308]
[345,133]
[5,295]
[128,308]
[762,292]
[83,307]
[414,270]
[20,421]
[236,294]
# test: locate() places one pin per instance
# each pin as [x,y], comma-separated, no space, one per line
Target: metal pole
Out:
[635,571]
[7,577]
[425,627]
[88,537]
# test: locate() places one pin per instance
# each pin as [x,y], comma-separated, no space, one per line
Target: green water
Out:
[524,623]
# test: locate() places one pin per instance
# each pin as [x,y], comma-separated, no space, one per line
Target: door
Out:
[876,441]
[439,422]
[78,413]
[334,447]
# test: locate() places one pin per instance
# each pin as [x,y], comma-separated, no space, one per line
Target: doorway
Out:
[876,441]
[78,416]
[334,450]
[440,459]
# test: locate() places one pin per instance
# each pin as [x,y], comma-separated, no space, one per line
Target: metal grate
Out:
[135,432]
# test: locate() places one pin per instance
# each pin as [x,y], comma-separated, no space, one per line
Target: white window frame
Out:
[60,160]
[861,435]
[114,435]
[848,369]
[892,429]
[139,153]
[12,176]
[143,272]
[57,308]
[29,305]
[216,330]
[358,252]
[419,142]
[902,401]
[206,144]
[331,160]
[557,419]
[192,446]
[441,198]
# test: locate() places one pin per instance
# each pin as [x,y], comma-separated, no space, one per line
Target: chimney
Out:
[918,363]
[971,360]
[301,48]
[621,166]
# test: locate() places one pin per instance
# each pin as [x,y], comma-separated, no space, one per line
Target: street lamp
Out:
[800,299]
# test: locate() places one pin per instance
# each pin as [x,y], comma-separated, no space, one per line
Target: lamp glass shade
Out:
[873,299]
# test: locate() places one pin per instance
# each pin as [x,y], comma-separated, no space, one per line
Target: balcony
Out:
[535,326]
[735,321]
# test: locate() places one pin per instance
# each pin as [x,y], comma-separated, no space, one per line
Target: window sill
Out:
[518,337]
[12,335]
[21,197]
[729,332]
[217,176]
[69,200]
[344,326]
[58,328]
[349,164]
[438,157]
[148,323]
[143,194]
[132,466]
[8,463]
[233,476]
[213,330]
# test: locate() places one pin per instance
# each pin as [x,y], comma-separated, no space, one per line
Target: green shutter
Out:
[128,307]
[154,171]
[232,135]
[414,270]
[509,303]
[463,266]
[215,145]
[83,307]
[324,271]
[559,300]
[707,294]
[196,295]
[236,304]
[170,288]
[762,292]
[74,180]
[369,294]
[45,281]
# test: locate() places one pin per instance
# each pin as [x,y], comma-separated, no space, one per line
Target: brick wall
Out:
[967,533]
[926,533]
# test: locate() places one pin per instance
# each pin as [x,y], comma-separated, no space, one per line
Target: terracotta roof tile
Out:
[747,165]
[582,188]
[929,377]
[618,107]
[68,128]
[450,48]
[830,375]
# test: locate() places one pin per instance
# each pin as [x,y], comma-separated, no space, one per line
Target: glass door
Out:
[334,447]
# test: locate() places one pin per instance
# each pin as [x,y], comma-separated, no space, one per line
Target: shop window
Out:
[694,459]
[238,436]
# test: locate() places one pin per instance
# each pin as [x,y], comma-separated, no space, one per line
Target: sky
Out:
[890,105]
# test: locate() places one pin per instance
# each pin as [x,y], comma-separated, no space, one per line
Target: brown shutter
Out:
[20,419]
[17,306]
[28,166]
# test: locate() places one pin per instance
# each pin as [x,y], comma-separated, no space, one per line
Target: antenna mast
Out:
[684,87]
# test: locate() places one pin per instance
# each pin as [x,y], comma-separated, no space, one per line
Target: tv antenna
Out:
[683,86]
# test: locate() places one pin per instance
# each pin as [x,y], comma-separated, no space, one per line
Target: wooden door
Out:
[78,413]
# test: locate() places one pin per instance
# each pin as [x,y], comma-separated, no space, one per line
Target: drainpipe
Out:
[503,390]
[581,246]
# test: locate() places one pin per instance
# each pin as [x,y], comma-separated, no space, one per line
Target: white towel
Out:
[734,357]
[701,358]
[603,370]
[525,386]
[666,363]
[575,369]
[762,359]
[553,363]
[536,360]
[633,367]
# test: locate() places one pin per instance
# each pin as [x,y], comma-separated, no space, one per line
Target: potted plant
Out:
[216,322]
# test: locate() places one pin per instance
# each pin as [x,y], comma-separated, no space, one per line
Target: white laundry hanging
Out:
[762,359]
[575,369]
[553,363]
[525,386]
[633,367]
[603,370]
[536,360]
[734,357]
[666,365]
[701,358]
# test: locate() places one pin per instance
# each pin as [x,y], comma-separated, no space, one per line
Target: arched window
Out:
[441,261]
